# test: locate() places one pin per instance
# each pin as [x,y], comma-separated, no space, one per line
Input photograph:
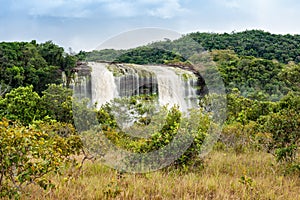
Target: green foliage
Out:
[164,136]
[51,52]
[242,109]
[105,118]
[24,105]
[176,131]
[30,153]
[290,74]
[284,128]
[237,137]
[256,78]
[139,55]
[148,55]
[257,43]
[291,101]
[21,104]
[271,126]
[108,55]
[57,103]
[29,63]
[67,65]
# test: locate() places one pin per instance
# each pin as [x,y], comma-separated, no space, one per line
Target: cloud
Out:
[155,8]
[52,8]
[92,8]
[264,13]
[167,9]
[228,3]
[276,15]
[120,8]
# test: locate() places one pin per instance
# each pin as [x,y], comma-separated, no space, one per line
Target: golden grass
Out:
[225,176]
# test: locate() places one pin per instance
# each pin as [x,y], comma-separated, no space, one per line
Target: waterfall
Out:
[173,86]
[104,88]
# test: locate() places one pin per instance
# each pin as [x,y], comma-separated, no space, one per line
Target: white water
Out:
[172,89]
[104,88]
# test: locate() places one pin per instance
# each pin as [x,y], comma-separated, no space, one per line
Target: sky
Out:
[86,24]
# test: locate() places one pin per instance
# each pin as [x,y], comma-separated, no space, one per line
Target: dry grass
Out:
[225,176]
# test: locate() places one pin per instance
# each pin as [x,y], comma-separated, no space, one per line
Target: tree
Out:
[24,64]
[68,65]
[21,104]
[57,103]
[28,154]
[284,128]
[52,53]
[290,75]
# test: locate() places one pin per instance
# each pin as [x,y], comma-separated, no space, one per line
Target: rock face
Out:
[82,81]
[133,80]
[102,82]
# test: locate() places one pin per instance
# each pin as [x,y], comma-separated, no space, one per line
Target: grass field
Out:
[225,175]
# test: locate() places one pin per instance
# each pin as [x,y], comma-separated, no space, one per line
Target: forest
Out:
[43,155]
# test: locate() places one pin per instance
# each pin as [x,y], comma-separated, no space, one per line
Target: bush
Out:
[284,128]
[24,105]
[21,104]
[237,137]
[27,154]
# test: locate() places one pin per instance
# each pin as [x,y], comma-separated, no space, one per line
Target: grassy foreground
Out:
[253,175]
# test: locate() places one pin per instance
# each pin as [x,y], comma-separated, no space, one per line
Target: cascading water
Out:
[173,86]
[103,84]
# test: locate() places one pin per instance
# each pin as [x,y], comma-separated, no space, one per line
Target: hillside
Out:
[257,43]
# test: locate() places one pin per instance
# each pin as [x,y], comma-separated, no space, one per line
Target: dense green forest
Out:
[257,43]
[29,63]
[260,71]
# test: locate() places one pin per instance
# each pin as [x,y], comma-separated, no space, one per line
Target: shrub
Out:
[284,128]
[237,137]
[21,104]
[27,154]
[57,103]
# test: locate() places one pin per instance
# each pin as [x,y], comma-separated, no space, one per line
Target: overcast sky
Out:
[85,24]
